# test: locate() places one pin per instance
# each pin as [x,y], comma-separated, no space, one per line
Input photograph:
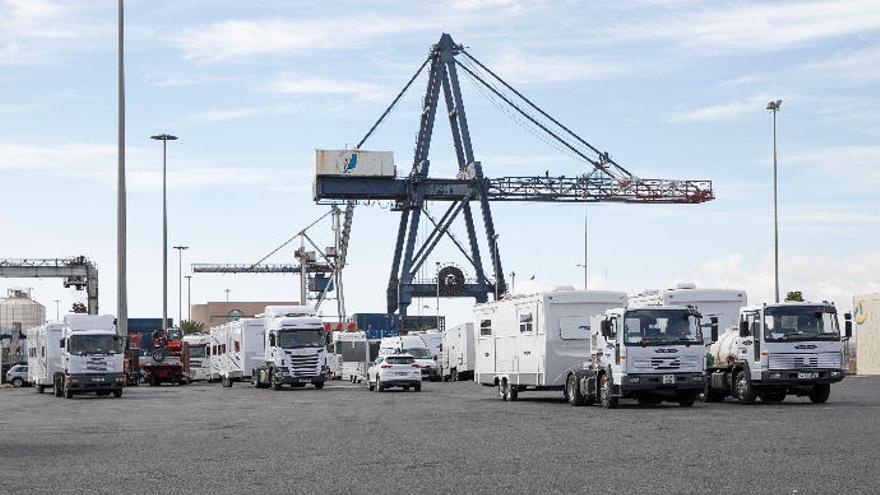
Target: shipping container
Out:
[355,163]
[866,333]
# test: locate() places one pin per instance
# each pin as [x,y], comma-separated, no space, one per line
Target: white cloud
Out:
[244,38]
[722,111]
[289,83]
[469,5]
[29,27]
[861,162]
[860,65]
[759,26]
[519,66]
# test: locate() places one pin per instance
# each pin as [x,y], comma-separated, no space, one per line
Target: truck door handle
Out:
[486,354]
[527,353]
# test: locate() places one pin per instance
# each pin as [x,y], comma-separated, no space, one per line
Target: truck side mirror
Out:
[605,328]
[713,322]
[61,343]
[271,340]
[847,329]
[743,328]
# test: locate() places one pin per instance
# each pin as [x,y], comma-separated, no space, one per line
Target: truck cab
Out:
[91,357]
[791,348]
[650,353]
[294,349]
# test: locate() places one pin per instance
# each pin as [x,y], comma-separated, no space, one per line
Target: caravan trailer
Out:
[459,352]
[44,354]
[348,354]
[240,344]
[533,341]
[199,358]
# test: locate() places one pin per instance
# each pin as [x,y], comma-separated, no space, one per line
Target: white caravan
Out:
[44,354]
[533,341]
[199,357]
[88,356]
[348,355]
[416,347]
[293,349]
[649,353]
[723,304]
[240,348]
[459,352]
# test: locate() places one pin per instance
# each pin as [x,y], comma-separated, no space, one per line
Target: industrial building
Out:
[18,312]
[866,331]
[219,312]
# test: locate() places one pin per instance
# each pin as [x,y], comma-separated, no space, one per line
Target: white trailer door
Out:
[529,344]
[486,353]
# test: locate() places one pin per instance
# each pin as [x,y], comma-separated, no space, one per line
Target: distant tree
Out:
[79,308]
[794,295]
[190,327]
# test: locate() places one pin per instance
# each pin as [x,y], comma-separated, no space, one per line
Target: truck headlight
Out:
[836,373]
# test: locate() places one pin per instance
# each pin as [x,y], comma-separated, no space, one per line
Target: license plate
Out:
[807,376]
[97,379]
[668,379]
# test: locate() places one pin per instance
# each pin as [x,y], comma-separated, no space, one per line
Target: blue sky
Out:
[671,88]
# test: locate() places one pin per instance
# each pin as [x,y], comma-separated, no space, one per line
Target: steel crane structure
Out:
[605,180]
[78,272]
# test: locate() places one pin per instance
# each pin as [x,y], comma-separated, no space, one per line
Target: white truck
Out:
[416,347]
[199,368]
[534,341]
[723,304]
[348,355]
[459,352]
[293,349]
[240,349]
[791,348]
[649,353]
[82,354]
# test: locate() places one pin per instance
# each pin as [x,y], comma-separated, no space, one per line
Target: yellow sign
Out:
[859,314]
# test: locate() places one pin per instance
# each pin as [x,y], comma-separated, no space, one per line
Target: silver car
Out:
[17,375]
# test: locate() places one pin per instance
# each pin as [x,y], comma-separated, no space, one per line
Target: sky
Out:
[670,88]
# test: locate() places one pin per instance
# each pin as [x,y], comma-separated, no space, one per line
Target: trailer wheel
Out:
[511,393]
[227,382]
[117,393]
[318,385]
[575,397]
[820,393]
[608,402]
[58,386]
[745,392]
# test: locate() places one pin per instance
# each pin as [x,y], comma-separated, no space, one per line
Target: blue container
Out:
[144,328]
[377,325]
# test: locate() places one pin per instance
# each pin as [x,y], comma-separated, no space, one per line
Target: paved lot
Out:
[451,437]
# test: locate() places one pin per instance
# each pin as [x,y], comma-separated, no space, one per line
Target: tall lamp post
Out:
[180,250]
[164,138]
[773,106]
[495,259]
[584,266]
[121,246]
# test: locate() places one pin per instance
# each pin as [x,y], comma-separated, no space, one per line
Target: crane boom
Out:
[78,272]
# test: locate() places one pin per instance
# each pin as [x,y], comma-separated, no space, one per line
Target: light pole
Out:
[189,297]
[773,106]
[438,294]
[180,250]
[121,280]
[164,138]
[227,297]
[584,266]
[512,282]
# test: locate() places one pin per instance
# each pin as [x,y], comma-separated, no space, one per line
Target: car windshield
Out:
[800,323]
[661,327]
[197,351]
[295,339]
[419,353]
[95,344]
[399,360]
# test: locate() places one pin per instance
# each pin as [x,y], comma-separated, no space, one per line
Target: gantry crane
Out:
[605,181]
[323,265]
[78,272]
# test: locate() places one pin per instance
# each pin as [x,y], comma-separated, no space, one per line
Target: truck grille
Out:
[825,360]
[666,363]
[304,365]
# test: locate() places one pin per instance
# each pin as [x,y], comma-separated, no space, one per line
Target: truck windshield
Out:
[800,323]
[352,350]
[659,327]
[95,344]
[296,339]
[419,353]
[197,351]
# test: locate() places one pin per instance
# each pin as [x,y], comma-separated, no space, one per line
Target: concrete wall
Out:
[866,330]
[219,312]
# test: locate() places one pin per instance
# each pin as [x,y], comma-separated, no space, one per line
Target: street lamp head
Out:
[164,137]
[774,105]
[181,248]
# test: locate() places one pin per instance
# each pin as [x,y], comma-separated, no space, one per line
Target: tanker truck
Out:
[648,353]
[791,348]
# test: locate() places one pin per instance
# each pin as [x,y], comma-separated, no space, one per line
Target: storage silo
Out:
[19,310]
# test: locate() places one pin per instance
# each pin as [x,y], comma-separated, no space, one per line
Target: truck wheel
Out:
[117,393]
[686,399]
[318,385]
[745,392]
[711,395]
[820,393]
[608,402]
[254,382]
[58,387]
[418,387]
[575,397]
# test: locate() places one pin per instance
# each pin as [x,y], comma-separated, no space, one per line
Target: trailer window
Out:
[485,328]
[525,323]
[574,328]
[237,346]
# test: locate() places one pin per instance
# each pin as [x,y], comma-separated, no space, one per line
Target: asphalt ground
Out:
[449,438]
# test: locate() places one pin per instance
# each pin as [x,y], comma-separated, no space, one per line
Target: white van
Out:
[416,347]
